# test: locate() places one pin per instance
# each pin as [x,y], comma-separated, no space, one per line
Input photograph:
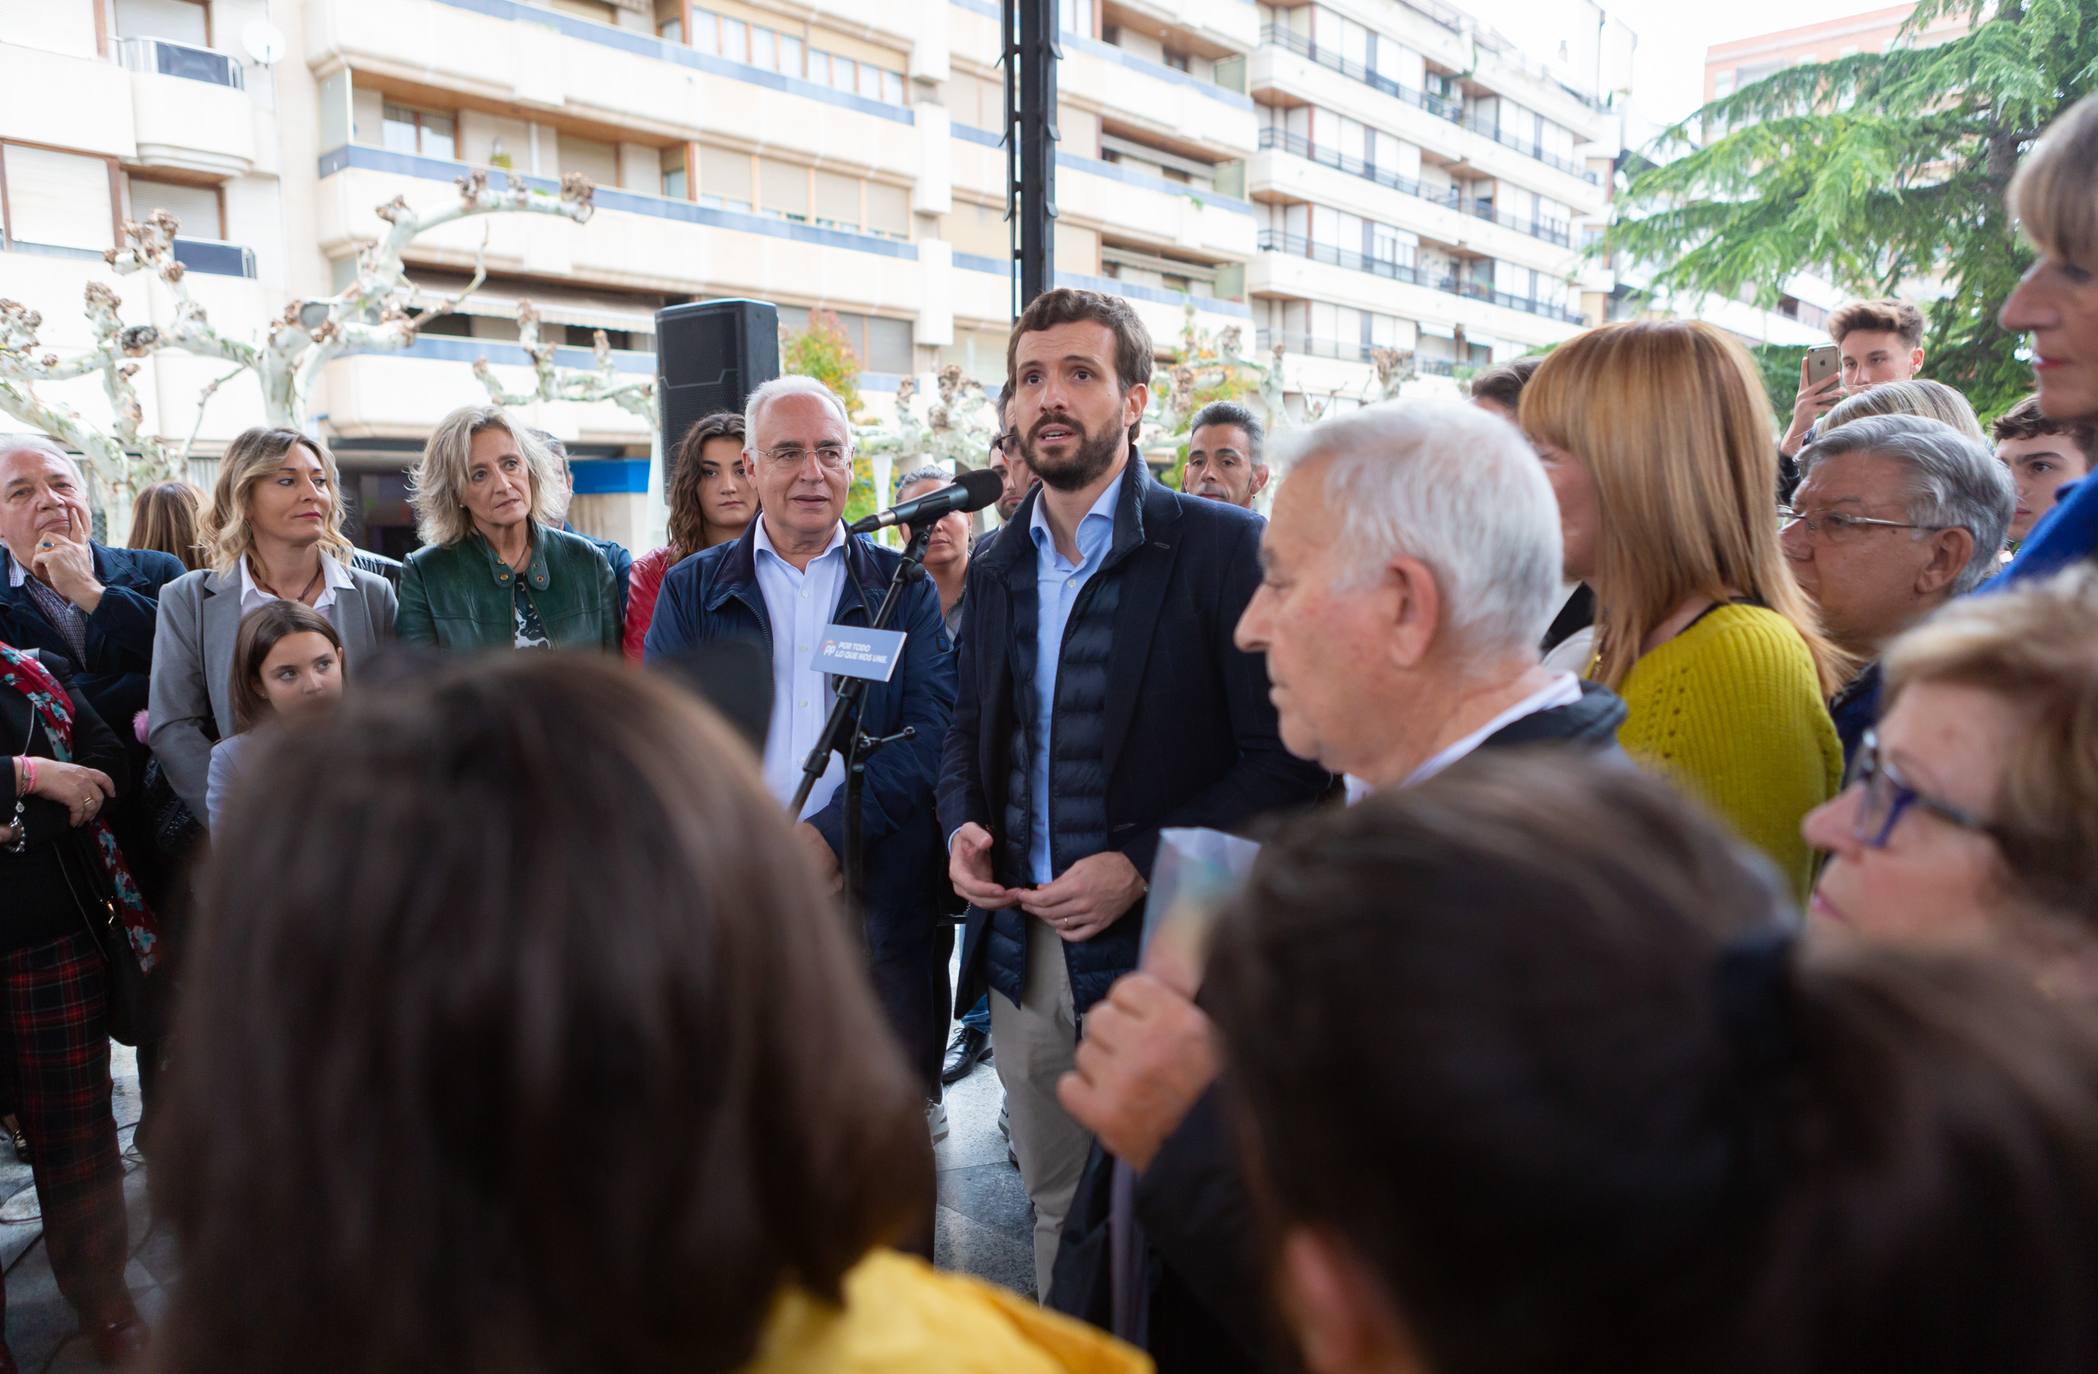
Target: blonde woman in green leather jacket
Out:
[494,571]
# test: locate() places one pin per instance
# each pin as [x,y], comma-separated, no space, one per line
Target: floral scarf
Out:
[49,700]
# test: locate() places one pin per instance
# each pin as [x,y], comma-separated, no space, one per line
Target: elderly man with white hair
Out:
[795,571]
[95,606]
[66,594]
[1894,516]
[1412,564]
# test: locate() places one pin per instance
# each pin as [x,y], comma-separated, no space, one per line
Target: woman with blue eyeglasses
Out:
[1971,816]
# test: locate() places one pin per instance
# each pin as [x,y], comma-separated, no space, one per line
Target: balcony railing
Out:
[1312,345]
[1530,147]
[1551,231]
[1298,246]
[162,57]
[212,256]
[1435,367]
[1440,106]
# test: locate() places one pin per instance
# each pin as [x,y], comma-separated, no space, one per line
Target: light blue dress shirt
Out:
[799,604]
[1057,582]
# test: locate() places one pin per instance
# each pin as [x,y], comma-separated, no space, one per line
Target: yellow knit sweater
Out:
[1731,709]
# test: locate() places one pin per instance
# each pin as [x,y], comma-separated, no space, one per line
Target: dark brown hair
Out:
[261,630]
[2026,420]
[688,517]
[168,516]
[1533,1041]
[527,1041]
[1503,384]
[1889,317]
[1070,305]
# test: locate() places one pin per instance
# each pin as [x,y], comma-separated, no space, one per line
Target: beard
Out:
[1090,456]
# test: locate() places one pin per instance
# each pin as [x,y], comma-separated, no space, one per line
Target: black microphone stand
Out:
[842,734]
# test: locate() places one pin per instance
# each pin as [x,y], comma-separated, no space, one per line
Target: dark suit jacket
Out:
[714,596]
[119,633]
[1206,1290]
[1190,734]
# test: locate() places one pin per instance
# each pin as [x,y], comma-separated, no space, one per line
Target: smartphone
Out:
[1822,364]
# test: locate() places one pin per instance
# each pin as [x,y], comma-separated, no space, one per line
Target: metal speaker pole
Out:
[1031,55]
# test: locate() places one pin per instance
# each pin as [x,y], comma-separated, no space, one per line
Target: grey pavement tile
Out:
[972,1122]
[990,1195]
[154,1249]
[995,1255]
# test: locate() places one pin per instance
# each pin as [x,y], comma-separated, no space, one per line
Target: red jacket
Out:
[643,584]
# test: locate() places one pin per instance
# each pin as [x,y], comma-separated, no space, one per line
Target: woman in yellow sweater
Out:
[549,1053]
[1658,440]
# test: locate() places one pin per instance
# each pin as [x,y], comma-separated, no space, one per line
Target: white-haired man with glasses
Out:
[794,572]
[1894,516]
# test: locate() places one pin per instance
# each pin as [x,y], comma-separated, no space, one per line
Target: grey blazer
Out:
[193,665]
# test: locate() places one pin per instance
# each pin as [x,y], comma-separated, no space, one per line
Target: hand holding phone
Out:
[1820,387]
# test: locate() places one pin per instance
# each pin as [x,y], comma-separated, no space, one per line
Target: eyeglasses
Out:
[1837,527]
[1888,796]
[1004,442]
[836,457]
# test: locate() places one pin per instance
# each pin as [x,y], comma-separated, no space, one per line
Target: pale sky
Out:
[1669,69]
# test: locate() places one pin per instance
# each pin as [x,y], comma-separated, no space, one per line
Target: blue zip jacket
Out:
[714,595]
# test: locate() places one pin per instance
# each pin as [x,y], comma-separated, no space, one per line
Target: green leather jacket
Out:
[461,595]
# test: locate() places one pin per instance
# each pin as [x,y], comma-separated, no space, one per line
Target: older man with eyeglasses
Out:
[793,573]
[1894,516]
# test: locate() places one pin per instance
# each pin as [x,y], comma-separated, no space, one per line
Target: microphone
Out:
[972,491]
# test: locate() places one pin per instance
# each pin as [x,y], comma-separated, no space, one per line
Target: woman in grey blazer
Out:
[276,532]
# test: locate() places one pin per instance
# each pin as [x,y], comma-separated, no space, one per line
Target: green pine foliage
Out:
[1882,169]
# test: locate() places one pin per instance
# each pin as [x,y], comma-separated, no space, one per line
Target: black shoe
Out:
[969,1048]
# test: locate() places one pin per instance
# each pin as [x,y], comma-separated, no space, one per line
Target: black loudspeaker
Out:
[710,355]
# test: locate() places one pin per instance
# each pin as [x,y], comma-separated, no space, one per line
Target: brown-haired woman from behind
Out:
[168,516]
[1537,1080]
[487,1075]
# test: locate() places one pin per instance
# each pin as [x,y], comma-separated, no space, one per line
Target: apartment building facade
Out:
[1423,187]
[1744,61]
[1327,177]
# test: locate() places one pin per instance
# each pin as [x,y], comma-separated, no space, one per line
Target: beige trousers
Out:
[1033,1045]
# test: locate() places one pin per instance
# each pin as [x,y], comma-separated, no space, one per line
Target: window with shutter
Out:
[888,346]
[783,189]
[178,21]
[889,211]
[724,178]
[593,158]
[197,207]
[837,200]
[59,200]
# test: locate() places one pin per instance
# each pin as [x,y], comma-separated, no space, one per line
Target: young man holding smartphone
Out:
[1876,341]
